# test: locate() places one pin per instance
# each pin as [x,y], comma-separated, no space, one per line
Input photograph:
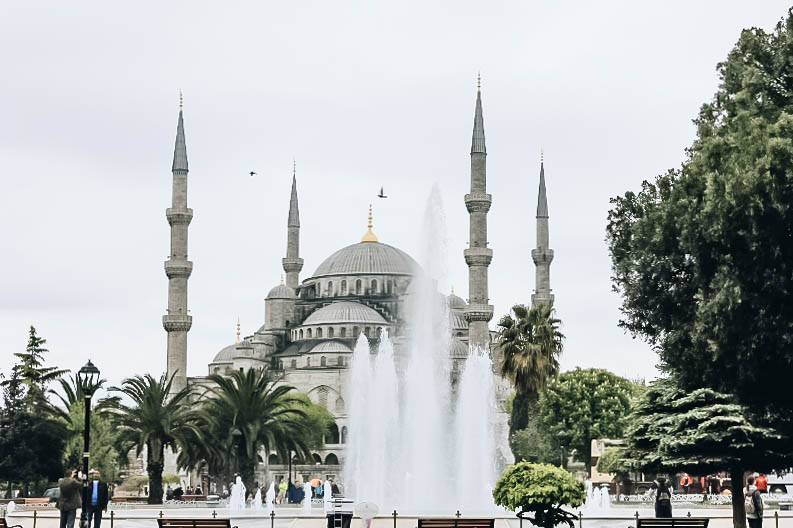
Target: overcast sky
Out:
[362,94]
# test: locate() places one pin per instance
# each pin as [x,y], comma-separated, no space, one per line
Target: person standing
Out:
[753,502]
[70,489]
[663,498]
[685,482]
[762,483]
[98,498]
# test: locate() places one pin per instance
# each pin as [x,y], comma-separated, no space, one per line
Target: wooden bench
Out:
[673,522]
[456,522]
[193,523]
[37,500]
[4,524]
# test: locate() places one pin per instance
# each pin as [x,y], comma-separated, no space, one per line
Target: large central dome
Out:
[368,258]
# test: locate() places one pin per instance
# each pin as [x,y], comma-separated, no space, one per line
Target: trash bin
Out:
[346,519]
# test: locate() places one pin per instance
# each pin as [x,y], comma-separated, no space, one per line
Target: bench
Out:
[193,523]
[37,500]
[456,522]
[4,524]
[673,522]
[135,500]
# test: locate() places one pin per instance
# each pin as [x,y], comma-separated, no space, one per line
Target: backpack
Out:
[749,503]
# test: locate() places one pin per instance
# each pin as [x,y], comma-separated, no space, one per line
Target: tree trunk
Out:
[247,471]
[519,419]
[154,469]
[738,508]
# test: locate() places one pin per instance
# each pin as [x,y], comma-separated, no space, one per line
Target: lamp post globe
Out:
[88,376]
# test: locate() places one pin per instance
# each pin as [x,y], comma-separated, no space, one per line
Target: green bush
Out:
[540,489]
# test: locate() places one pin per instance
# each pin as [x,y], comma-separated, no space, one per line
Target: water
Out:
[269,498]
[415,444]
[307,498]
[237,496]
[597,499]
[257,500]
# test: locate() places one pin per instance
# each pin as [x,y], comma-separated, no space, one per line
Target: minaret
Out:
[542,255]
[293,263]
[478,256]
[177,322]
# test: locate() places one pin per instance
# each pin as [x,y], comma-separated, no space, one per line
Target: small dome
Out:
[455,302]
[331,347]
[345,312]
[458,349]
[282,291]
[225,354]
[366,258]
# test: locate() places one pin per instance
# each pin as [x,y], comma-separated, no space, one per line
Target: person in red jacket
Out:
[761,483]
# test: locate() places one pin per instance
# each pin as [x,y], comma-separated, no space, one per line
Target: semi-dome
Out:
[345,312]
[367,258]
[282,291]
[331,347]
[458,349]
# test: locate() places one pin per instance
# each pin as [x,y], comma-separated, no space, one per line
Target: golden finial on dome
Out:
[452,293]
[369,236]
[238,330]
[478,80]
[181,100]
[282,279]
[542,156]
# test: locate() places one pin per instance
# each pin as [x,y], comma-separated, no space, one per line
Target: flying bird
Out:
[381,195]
[253,173]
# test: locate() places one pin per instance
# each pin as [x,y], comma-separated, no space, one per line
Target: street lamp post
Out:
[88,377]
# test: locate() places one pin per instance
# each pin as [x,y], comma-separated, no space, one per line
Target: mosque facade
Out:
[311,326]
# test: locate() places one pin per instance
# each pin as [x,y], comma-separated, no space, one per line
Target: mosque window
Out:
[358,287]
[389,287]
[340,361]
[317,458]
[344,287]
[374,287]
[343,331]
[301,334]
[330,332]
[287,323]
[330,288]
[339,404]
[355,331]
[319,332]
[308,333]
[366,331]
[344,435]
[308,361]
[379,331]
[323,362]
[333,434]
[322,394]
[273,459]
[294,363]
[331,460]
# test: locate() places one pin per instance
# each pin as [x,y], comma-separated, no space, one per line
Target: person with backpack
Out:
[663,498]
[753,502]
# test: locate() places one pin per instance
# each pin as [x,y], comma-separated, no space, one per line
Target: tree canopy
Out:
[703,256]
[582,405]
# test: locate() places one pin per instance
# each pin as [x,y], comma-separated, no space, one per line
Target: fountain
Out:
[327,496]
[414,443]
[257,500]
[307,498]
[270,498]
[237,496]
[597,501]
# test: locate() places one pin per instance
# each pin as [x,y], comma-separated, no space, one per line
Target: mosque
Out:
[311,326]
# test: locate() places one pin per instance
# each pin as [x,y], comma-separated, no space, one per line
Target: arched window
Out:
[319,332]
[317,459]
[308,333]
[332,436]
[374,286]
[330,288]
[339,404]
[340,361]
[379,331]
[343,331]
[344,287]
[294,363]
[323,362]
[322,396]
[308,361]
[273,459]
[331,460]
[366,331]
[355,331]
[330,332]
[389,287]
[344,435]
[287,323]
[358,287]
[301,334]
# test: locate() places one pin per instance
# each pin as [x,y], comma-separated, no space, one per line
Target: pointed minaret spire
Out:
[369,236]
[177,322]
[293,263]
[542,255]
[478,312]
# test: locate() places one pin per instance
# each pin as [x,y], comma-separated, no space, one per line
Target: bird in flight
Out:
[253,173]
[381,195]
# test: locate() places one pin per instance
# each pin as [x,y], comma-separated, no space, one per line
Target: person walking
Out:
[685,482]
[98,498]
[70,489]
[663,498]
[753,503]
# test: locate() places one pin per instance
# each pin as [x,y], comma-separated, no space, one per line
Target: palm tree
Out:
[530,344]
[155,420]
[243,414]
